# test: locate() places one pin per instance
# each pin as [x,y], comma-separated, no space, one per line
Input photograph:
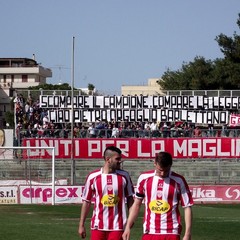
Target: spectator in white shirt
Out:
[91,130]
[115,131]
[153,126]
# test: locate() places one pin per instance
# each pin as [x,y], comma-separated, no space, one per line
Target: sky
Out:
[116,42]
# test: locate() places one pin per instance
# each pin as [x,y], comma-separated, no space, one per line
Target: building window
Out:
[24,78]
[11,92]
[4,78]
[37,79]
[12,78]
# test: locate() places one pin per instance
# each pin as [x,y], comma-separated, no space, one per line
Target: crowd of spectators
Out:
[33,122]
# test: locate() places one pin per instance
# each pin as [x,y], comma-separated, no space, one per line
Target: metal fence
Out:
[210,93]
[125,133]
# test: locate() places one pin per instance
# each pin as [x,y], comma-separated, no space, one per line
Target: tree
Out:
[9,118]
[64,86]
[91,88]
[226,75]
[230,46]
[195,75]
[202,74]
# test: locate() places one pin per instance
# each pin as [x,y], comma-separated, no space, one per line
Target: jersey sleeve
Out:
[129,189]
[140,192]
[89,190]
[186,196]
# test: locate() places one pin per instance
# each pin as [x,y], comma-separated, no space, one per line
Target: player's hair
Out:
[109,151]
[163,159]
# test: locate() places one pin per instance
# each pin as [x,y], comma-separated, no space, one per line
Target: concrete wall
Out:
[8,137]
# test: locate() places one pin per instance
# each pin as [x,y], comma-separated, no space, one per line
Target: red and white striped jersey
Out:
[161,198]
[108,192]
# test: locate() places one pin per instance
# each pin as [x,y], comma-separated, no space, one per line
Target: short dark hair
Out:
[111,149]
[163,159]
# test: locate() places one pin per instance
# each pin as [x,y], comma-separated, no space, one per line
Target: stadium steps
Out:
[196,171]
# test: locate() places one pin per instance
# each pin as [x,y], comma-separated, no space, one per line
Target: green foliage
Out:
[58,89]
[194,75]
[91,87]
[9,118]
[202,74]
[226,75]
[230,46]
[64,86]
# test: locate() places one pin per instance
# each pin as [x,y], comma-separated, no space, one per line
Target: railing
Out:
[210,93]
[125,133]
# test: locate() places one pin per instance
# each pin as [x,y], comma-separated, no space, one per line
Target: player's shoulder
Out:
[94,173]
[177,176]
[122,172]
[147,174]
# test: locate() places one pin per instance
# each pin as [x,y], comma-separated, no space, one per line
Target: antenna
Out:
[60,67]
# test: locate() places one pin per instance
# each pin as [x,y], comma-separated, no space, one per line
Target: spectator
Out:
[76,132]
[165,130]
[140,132]
[187,130]
[38,130]
[153,126]
[101,129]
[18,129]
[91,130]
[27,107]
[175,131]
[83,132]
[197,132]
[44,117]
[115,131]
[31,113]
[210,130]
[30,99]
[224,132]
[65,132]
[147,131]
[146,125]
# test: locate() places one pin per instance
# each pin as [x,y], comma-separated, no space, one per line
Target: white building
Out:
[152,88]
[16,74]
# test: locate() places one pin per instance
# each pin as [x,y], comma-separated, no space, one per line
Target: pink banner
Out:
[135,148]
[234,120]
[43,194]
[72,194]
[215,193]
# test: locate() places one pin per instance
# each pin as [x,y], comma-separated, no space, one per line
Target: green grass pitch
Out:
[60,222]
